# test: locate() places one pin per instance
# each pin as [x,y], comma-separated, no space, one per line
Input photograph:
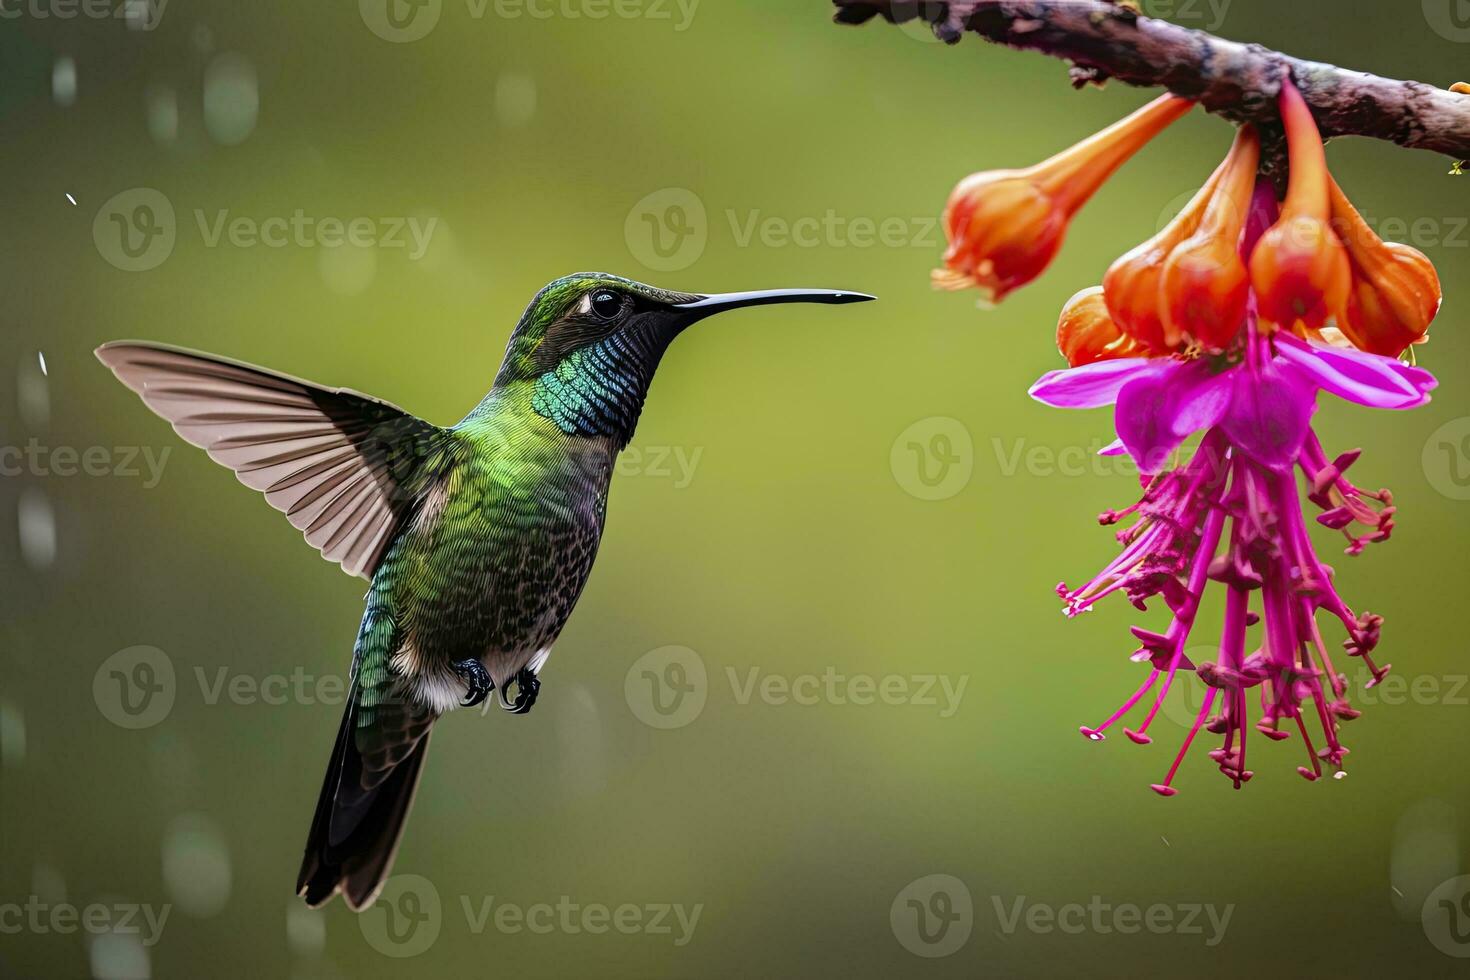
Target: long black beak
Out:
[720,302]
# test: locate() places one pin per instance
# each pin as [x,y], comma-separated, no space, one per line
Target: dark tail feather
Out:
[354,834]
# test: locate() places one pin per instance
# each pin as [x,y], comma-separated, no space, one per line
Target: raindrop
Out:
[71,199]
[231,98]
[32,394]
[1425,851]
[37,524]
[162,106]
[140,14]
[306,929]
[1340,774]
[12,735]
[515,98]
[64,82]
[196,865]
[347,269]
[120,956]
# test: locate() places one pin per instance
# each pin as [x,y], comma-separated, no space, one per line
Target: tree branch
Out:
[1105,40]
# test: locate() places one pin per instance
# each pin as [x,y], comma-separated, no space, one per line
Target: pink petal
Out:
[1159,411]
[1092,385]
[1367,379]
[1270,410]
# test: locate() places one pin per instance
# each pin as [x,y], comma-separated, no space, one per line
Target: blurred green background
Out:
[683,146]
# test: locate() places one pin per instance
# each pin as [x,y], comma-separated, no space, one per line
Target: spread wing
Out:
[343,467]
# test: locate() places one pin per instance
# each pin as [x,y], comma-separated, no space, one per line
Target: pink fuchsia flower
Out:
[1230,514]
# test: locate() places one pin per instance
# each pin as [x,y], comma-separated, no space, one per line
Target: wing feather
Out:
[343,467]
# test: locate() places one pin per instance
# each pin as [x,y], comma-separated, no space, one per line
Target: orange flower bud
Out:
[1131,285]
[1086,333]
[1299,268]
[1204,287]
[1395,290]
[1005,226]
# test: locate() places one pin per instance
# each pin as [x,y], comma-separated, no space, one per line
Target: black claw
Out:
[477,681]
[527,687]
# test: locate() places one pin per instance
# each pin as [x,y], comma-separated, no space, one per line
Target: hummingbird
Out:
[476,538]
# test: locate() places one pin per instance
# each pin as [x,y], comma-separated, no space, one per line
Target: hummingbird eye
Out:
[606,304]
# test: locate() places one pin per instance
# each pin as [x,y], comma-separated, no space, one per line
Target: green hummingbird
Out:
[476,538]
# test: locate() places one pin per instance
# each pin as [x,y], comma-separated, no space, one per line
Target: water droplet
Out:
[515,98]
[196,865]
[71,199]
[141,15]
[306,929]
[161,105]
[1425,852]
[12,735]
[64,82]
[1340,774]
[37,525]
[231,98]
[119,956]
[32,394]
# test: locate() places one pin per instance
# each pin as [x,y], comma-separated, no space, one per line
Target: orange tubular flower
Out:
[1086,333]
[1131,285]
[1005,226]
[1204,286]
[1300,269]
[1395,292]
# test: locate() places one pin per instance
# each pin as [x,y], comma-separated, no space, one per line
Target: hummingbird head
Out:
[589,343]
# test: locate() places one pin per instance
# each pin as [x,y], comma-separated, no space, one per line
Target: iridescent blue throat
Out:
[598,390]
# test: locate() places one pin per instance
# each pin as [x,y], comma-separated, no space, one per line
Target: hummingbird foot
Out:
[477,681]
[528,685]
